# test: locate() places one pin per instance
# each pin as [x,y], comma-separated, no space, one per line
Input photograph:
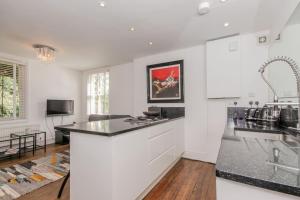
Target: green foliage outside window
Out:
[6,96]
[9,100]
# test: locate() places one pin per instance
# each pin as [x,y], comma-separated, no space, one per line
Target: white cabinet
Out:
[223,62]
[163,147]
[126,165]
[160,144]
[161,163]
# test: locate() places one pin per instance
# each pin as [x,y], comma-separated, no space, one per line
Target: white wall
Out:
[47,82]
[205,119]
[281,75]
[120,89]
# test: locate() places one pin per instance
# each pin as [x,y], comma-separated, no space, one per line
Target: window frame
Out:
[14,62]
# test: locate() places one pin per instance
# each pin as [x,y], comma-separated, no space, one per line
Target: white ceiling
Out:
[88,36]
[295,18]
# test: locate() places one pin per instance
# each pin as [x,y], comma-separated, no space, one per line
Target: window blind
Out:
[20,91]
[12,91]
[98,93]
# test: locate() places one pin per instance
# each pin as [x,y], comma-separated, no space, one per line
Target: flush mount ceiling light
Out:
[150,43]
[204,8]
[226,24]
[223,1]
[44,53]
[132,29]
[102,3]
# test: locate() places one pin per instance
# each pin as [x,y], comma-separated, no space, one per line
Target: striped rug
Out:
[21,179]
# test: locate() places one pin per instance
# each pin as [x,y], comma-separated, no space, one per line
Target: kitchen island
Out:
[258,160]
[116,159]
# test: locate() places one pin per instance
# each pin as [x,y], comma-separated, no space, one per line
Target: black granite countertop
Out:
[253,160]
[110,127]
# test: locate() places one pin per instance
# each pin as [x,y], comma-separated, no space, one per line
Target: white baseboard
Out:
[196,156]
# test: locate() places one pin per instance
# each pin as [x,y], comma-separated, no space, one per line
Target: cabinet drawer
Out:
[160,144]
[160,164]
[160,129]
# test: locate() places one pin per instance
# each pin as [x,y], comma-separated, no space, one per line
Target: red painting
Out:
[165,82]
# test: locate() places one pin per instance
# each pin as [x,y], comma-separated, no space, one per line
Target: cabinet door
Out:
[223,68]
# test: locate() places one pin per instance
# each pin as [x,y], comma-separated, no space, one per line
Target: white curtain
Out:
[98,93]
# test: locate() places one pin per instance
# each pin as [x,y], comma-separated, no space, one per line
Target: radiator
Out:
[5,132]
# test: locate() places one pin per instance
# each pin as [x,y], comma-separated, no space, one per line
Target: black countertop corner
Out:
[110,127]
[250,160]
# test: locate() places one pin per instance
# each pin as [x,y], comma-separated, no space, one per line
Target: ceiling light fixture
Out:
[44,53]
[223,1]
[226,24]
[150,43]
[132,29]
[102,3]
[204,8]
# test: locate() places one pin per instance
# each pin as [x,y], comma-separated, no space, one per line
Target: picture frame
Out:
[165,82]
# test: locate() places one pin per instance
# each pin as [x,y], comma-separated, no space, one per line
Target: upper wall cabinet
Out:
[223,68]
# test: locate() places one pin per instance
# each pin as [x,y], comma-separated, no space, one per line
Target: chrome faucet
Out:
[292,63]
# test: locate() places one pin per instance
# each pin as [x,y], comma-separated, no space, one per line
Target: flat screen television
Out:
[60,107]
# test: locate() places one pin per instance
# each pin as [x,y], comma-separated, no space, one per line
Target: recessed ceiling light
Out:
[102,3]
[223,1]
[150,43]
[226,24]
[132,29]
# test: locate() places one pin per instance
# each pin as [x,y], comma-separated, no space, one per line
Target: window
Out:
[98,93]
[12,91]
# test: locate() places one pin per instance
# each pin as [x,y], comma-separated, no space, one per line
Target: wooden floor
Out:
[187,180]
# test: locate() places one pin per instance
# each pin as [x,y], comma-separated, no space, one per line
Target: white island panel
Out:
[124,166]
[91,167]
[130,169]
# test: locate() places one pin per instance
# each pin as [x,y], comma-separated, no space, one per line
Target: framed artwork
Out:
[165,82]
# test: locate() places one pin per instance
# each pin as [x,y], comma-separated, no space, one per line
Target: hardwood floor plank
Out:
[164,184]
[192,180]
[186,188]
[202,189]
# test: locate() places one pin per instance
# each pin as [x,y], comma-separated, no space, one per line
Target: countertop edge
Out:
[61,128]
[259,183]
